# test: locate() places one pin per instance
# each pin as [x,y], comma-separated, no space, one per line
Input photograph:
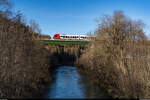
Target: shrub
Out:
[120,55]
[24,63]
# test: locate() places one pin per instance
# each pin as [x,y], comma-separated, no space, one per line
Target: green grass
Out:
[56,42]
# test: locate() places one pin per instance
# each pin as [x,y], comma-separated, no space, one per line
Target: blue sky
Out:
[78,16]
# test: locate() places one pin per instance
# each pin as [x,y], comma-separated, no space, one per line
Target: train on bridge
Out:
[73,37]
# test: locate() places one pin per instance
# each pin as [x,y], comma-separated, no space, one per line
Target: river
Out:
[68,83]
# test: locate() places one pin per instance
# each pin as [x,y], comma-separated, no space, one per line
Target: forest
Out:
[118,58]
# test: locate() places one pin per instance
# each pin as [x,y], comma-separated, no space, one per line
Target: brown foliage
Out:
[23,61]
[120,55]
[64,54]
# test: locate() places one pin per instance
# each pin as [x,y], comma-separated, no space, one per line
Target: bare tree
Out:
[35,28]
[122,59]
[19,56]
[5,8]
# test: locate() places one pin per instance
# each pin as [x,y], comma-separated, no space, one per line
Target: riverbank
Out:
[121,62]
[91,80]
[29,76]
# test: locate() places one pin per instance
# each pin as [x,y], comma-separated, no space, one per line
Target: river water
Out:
[68,84]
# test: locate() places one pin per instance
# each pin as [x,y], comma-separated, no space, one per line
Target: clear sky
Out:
[78,16]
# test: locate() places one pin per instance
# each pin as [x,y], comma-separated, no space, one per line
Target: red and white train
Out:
[72,37]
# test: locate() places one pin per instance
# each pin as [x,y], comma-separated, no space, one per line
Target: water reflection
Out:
[67,84]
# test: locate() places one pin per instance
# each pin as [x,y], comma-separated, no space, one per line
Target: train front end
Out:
[56,36]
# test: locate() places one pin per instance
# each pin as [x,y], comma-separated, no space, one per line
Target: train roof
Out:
[73,35]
